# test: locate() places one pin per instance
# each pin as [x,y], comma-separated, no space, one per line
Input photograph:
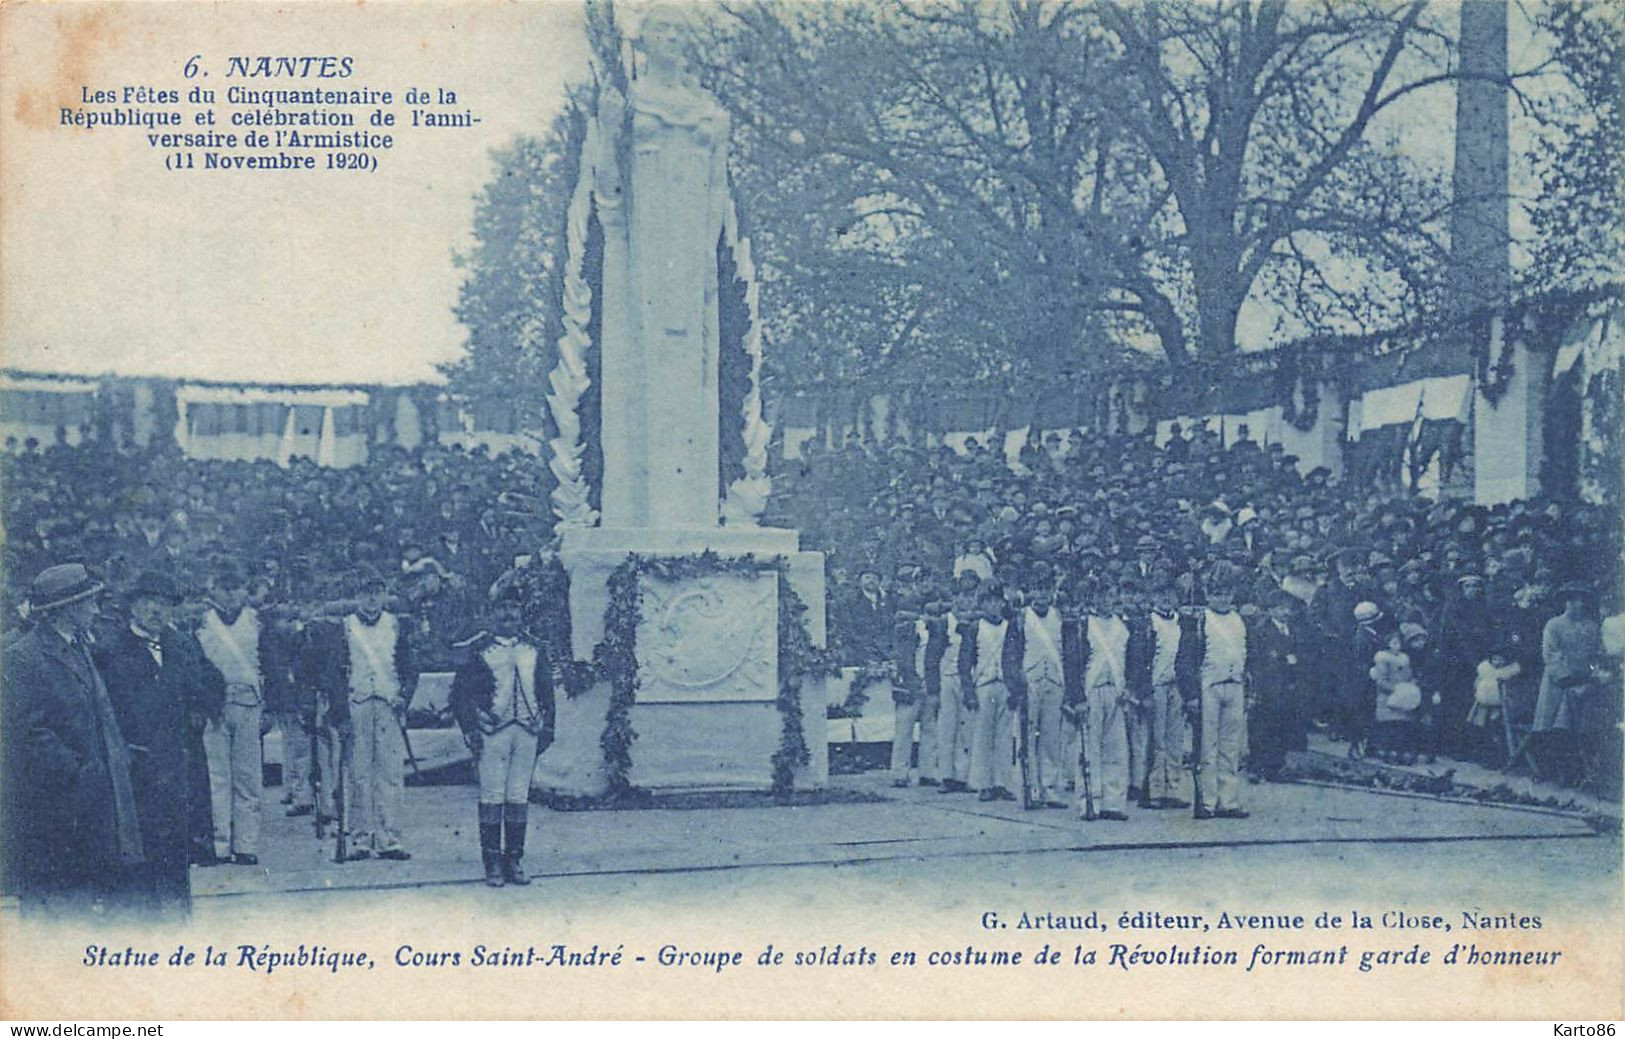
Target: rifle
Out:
[1086,782]
[400,722]
[1084,778]
[1016,685]
[1195,707]
[1186,584]
[1022,750]
[341,849]
[316,777]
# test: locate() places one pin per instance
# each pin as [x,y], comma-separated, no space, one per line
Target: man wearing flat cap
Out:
[163,691]
[69,831]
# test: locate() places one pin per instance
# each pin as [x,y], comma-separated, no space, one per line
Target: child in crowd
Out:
[1485,717]
[1399,703]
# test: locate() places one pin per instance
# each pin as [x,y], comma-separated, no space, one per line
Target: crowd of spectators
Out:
[442,522]
[1393,590]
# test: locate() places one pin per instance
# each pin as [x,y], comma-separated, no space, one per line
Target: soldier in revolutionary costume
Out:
[378,682]
[1098,703]
[1154,679]
[1038,674]
[502,698]
[944,667]
[991,769]
[912,701]
[1214,682]
[233,637]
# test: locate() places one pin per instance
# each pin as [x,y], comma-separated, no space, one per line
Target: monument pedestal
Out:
[706,715]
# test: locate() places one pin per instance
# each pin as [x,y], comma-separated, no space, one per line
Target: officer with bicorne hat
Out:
[502,698]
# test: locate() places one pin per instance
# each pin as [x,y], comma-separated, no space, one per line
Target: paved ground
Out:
[901,824]
[1416,873]
[909,871]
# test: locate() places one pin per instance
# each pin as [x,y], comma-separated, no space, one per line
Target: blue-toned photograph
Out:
[900,482]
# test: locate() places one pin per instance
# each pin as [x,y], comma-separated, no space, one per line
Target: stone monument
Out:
[654,179]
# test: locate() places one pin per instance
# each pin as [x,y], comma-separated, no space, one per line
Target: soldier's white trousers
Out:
[374,777]
[924,710]
[1106,751]
[955,726]
[1224,730]
[1048,741]
[1167,741]
[231,750]
[507,762]
[991,764]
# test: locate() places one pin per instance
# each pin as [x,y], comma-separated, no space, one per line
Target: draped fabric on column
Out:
[285,446]
[325,446]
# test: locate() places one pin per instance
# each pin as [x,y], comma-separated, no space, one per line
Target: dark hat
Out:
[228,572]
[1576,590]
[61,585]
[153,584]
[367,576]
[1276,598]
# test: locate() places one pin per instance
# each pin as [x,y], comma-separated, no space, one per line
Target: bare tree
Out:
[1260,115]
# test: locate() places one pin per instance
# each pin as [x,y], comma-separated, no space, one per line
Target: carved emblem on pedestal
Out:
[712,638]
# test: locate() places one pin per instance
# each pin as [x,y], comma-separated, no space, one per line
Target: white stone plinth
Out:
[1507,434]
[706,714]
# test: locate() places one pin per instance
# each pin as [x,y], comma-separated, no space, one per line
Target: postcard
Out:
[893,509]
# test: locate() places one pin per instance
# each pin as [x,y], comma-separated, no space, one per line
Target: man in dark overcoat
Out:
[163,690]
[1278,721]
[68,824]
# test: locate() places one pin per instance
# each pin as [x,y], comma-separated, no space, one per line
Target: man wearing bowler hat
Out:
[163,691]
[68,825]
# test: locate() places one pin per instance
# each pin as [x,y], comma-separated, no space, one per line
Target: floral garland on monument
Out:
[615,659]
[1297,378]
[733,368]
[740,346]
[1495,367]
[572,375]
